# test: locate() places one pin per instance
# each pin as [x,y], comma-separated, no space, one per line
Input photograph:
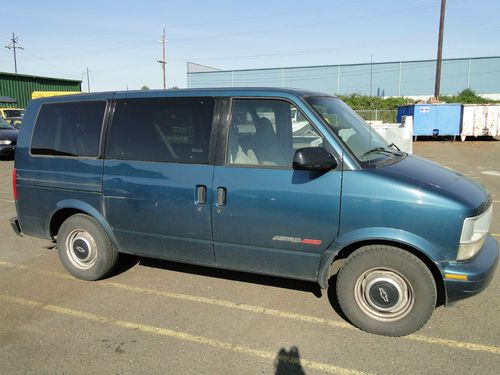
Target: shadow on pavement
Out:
[288,363]
[125,262]
[128,261]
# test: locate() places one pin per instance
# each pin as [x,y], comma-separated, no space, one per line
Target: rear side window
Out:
[173,130]
[69,129]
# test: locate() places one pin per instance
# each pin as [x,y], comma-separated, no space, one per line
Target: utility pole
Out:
[440,50]
[13,46]
[163,62]
[88,80]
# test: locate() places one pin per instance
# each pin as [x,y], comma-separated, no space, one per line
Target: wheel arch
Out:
[335,259]
[68,208]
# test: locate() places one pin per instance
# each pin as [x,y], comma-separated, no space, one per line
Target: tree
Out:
[144,87]
[466,96]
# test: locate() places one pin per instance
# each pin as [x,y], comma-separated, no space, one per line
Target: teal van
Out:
[280,182]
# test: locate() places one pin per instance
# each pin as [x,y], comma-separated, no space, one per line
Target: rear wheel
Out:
[85,249]
[386,290]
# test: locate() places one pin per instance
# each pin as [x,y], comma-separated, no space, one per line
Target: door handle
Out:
[221,196]
[201,194]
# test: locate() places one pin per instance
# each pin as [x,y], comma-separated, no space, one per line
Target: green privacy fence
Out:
[21,86]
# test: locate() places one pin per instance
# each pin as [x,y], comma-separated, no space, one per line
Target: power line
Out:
[260,16]
[349,19]
[212,22]
[138,45]
[423,6]
[308,51]
[13,46]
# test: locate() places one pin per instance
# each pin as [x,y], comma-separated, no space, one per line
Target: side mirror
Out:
[313,159]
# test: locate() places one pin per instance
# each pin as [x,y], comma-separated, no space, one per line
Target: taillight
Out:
[14,183]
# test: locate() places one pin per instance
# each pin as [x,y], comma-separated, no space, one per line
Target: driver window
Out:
[267,133]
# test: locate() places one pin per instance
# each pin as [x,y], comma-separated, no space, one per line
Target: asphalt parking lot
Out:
[162,317]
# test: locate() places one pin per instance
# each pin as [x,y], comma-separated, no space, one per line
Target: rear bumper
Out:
[16,226]
[479,271]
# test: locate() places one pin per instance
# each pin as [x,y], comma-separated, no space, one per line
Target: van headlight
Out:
[5,142]
[474,234]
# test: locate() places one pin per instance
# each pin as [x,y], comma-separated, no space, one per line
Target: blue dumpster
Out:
[433,119]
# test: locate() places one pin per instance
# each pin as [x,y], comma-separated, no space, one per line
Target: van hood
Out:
[428,175]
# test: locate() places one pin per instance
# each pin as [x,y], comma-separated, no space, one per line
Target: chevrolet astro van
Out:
[280,182]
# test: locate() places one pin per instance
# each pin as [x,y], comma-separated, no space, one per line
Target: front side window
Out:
[173,130]
[69,129]
[266,132]
[365,143]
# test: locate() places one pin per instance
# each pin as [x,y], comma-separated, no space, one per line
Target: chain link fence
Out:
[387,116]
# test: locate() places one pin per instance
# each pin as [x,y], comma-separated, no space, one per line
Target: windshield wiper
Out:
[377,149]
[384,149]
[394,145]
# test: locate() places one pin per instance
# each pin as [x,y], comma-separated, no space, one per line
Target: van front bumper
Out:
[478,271]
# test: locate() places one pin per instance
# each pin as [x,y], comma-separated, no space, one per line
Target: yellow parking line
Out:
[13,265]
[76,313]
[20,301]
[304,318]
[456,344]
[265,311]
[183,336]
[6,200]
[237,348]
[232,305]
[495,234]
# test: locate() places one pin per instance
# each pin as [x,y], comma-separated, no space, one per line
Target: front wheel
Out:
[386,290]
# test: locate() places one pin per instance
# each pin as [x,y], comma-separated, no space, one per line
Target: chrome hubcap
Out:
[384,294]
[81,249]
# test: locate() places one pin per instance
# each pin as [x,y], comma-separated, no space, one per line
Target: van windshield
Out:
[365,143]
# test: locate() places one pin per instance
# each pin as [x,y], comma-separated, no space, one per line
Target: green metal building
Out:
[21,86]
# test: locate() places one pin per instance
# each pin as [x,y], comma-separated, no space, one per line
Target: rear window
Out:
[69,129]
[173,130]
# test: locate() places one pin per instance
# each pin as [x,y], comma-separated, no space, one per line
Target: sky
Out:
[119,41]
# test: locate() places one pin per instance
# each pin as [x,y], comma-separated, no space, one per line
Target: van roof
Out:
[218,91]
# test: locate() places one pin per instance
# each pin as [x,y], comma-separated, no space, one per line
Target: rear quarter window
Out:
[175,130]
[69,129]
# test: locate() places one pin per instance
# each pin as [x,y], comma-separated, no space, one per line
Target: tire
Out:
[386,290]
[85,250]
